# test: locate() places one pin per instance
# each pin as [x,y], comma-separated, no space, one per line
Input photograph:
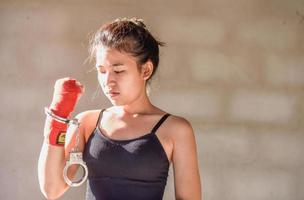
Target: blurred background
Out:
[234,69]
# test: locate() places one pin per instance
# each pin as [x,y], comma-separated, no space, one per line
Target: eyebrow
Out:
[117,64]
[114,65]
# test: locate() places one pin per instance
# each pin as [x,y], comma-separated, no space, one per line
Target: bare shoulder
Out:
[179,127]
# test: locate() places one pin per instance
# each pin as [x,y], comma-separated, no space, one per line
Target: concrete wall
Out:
[235,69]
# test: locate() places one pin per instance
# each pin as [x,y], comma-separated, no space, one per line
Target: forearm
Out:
[50,171]
[52,156]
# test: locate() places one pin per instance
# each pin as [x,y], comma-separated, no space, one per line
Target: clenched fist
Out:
[67,91]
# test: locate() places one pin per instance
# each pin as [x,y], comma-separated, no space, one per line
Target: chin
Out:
[119,102]
[116,103]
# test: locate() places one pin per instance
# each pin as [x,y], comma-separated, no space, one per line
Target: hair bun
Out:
[137,21]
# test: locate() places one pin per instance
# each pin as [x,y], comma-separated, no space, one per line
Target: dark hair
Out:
[130,36]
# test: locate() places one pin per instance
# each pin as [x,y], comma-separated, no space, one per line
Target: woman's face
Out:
[118,76]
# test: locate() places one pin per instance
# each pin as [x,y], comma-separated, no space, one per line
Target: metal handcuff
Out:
[75,156]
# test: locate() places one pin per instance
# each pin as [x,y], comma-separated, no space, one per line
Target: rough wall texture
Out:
[234,69]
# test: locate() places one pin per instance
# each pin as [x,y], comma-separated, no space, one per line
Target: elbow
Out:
[52,192]
[51,189]
[192,196]
[186,198]
[50,195]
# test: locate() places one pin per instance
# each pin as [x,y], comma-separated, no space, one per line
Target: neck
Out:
[140,106]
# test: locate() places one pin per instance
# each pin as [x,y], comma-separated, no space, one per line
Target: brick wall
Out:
[234,69]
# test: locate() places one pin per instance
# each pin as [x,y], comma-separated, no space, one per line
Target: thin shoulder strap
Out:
[160,122]
[99,117]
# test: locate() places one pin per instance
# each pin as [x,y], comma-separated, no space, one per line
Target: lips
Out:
[112,93]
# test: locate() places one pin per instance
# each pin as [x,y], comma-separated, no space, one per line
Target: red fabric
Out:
[66,93]
[54,129]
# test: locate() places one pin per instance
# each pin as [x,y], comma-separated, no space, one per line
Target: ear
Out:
[147,70]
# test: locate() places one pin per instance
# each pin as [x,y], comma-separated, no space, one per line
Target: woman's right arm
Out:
[54,151]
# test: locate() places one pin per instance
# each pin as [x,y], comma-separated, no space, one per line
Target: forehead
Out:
[107,54]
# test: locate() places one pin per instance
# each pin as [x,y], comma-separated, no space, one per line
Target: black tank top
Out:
[126,169]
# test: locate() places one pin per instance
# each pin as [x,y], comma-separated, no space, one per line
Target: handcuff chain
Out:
[76,123]
[77,138]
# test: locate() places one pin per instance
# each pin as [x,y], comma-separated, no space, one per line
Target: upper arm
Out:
[185,162]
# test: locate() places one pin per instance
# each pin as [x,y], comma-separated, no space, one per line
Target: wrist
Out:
[60,112]
[55,128]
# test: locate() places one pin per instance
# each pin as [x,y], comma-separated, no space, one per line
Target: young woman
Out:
[128,147]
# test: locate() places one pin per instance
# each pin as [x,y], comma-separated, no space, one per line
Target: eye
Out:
[118,72]
[101,70]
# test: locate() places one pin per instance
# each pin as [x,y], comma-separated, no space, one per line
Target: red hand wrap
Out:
[66,93]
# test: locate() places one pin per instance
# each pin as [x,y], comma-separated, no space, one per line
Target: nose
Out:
[107,78]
